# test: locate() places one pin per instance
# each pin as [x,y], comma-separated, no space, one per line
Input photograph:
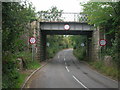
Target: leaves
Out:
[52,14]
[15,18]
[98,13]
[106,15]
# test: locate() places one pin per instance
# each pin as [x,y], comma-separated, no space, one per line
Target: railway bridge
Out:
[72,26]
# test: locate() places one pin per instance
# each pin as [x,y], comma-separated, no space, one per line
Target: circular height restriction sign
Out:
[32,40]
[66,27]
[102,42]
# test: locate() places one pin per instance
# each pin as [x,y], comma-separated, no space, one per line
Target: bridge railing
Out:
[63,17]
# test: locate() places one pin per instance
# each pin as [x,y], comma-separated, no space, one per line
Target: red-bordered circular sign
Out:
[32,40]
[66,27]
[102,42]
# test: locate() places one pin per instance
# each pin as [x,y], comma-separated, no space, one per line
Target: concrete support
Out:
[95,44]
[38,41]
[41,44]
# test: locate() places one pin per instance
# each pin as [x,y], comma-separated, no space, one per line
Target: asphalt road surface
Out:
[65,71]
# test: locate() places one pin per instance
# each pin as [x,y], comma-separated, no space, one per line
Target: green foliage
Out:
[9,71]
[107,70]
[79,51]
[106,15]
[10,68]
[15,18]
[21,79]
[98,12]
[57,42]
[52,14]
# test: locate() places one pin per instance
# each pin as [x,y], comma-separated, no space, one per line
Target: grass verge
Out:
[110,71]
[24,74]
[12,77]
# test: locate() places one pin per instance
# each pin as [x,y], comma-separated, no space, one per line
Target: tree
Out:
[106,15]
[16,16]
[52,14]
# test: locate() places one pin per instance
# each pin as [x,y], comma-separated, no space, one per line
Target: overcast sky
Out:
[65,5]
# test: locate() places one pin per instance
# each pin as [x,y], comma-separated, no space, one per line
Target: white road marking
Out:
[80,82]
[64,59]
[58,57]
[67,68]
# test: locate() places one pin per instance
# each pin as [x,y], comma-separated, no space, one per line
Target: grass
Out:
[12,77]
[34,65]
[21,79]
[80,53]
[110,71]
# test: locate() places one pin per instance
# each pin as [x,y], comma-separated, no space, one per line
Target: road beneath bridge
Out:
[65,71]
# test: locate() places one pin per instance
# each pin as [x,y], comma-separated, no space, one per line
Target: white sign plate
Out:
[32,40]
[66,27]
[102,42]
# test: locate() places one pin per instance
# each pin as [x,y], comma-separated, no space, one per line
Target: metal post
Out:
[32,52]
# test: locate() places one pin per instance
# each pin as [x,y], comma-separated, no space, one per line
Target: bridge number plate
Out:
[32,40]
[102,42]
[66,27]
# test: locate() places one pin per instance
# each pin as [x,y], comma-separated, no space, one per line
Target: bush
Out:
[80,53]
[10,73]
[107,70]
[11,77]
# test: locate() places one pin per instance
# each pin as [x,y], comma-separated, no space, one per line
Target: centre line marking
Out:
[80,82]
[58,57]
[67,68]
[64,59]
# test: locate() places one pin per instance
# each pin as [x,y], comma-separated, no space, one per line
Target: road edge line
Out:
[23,86]
[93,69]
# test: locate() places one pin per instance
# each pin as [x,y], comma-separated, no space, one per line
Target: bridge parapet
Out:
[63,17]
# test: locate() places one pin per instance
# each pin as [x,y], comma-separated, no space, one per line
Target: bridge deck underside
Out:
[61,32]
[57,28]
[76,26]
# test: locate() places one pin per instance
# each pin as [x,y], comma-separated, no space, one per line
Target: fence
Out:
[63,17]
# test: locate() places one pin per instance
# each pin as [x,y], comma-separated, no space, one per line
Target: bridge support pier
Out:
[42,46]
[89,46]
[95,45]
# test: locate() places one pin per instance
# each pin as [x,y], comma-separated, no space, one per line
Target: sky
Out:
[65,5]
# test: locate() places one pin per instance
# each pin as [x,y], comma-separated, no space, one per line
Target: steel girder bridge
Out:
[76,24]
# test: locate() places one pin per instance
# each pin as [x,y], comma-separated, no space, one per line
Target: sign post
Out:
[102,42]
[32,41]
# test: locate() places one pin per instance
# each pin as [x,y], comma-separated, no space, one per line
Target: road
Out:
[65,71]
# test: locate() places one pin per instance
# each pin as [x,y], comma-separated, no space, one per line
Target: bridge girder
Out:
[57,28]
